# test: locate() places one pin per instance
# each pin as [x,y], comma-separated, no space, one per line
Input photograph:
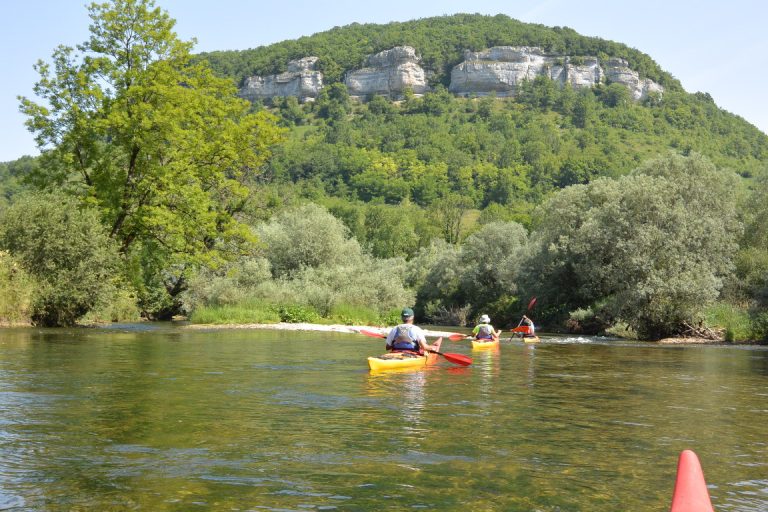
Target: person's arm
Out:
[422,338]
[390,337]
[476,330]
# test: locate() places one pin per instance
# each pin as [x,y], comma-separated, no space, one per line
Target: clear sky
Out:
[714,46]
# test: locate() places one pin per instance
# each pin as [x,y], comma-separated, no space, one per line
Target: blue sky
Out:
[711,46]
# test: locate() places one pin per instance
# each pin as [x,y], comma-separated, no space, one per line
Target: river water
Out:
[160,418]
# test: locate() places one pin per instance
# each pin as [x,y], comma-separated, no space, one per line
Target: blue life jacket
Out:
[403,339]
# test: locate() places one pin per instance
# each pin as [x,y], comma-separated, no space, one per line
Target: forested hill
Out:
[440,41]
[506,153]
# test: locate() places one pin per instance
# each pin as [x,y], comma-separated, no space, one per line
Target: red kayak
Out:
[691,494]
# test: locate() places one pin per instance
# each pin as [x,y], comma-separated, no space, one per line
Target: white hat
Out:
[485,319]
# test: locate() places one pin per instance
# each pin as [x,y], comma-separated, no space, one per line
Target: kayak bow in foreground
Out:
[690,494]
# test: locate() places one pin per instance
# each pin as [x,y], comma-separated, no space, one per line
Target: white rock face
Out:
[388,73]
[300,80]
[617,70]
[502,69]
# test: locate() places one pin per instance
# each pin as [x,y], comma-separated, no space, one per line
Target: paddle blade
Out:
[372,334]
[531,303]
[522,329]
[457,358]
[457,337]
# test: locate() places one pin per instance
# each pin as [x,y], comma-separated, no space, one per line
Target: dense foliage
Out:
[441,42]
[161,147]
[68,252]
[611,212]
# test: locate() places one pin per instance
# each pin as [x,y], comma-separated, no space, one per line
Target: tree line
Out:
[160,193]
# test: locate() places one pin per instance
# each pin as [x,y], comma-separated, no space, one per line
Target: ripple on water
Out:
[9,502]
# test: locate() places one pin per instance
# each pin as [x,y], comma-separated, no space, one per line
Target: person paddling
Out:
[484,330]
[531,328]
[407,337]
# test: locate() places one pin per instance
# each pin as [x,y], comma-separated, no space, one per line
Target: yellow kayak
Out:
[531,339]
[480,344]
[394,360]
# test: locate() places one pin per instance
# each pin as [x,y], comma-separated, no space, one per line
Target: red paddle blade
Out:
[523,329]
[457,337]
[531,303]
[372,334]
[457,358]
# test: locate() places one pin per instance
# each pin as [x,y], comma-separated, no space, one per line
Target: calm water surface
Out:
[159,418]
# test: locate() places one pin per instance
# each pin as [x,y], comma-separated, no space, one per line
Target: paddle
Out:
[453,358]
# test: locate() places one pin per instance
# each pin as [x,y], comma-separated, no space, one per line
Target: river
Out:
[160,418]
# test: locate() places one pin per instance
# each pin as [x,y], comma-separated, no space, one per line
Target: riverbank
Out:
[285,326]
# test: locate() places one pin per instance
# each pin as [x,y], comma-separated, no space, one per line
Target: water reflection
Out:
[113,419]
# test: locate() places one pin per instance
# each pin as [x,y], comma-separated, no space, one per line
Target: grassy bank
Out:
[263,312]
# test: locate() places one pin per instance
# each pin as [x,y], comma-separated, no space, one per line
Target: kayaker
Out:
[484,330]
[531,328]
[407,337]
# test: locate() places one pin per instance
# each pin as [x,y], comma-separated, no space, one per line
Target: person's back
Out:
[484,330]
[407,337]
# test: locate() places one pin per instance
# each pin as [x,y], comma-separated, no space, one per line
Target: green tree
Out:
[491,260]
[307,236]
[651,248]
[162,147]
[389,231]
[66,250]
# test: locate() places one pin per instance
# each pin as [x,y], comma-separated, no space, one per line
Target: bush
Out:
[307,237]
[66,249]
[734,320]
[16,291]
[246,312]
[297,313]
[654,246]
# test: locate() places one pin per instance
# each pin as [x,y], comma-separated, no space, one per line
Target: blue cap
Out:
[407,313]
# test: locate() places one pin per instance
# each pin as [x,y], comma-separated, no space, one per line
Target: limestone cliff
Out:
[502,69]
[388,73]
[301,80]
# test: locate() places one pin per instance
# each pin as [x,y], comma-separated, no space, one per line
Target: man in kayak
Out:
[407,337]
[531,328]
[484,330]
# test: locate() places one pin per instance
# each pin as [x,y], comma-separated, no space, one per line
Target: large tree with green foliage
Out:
[650,249]
[162,147]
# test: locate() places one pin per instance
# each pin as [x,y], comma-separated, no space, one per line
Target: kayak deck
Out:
[481,344]
[393,360]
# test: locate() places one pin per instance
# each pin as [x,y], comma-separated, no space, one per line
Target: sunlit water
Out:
[158,418]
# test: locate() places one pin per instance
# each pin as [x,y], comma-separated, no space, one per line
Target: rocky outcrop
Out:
[499,70]
[388,73]
[502,69]
[617,70]
[301,80]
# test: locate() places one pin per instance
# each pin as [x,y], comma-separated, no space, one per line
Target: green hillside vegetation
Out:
[441,42]
[642,216]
